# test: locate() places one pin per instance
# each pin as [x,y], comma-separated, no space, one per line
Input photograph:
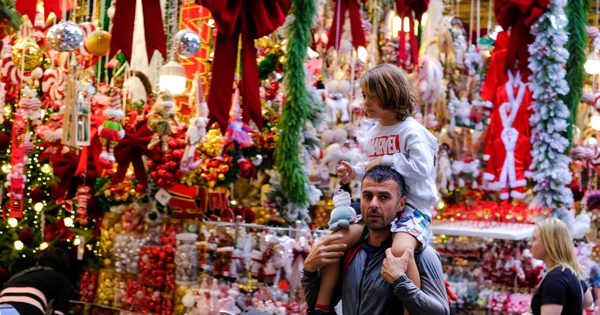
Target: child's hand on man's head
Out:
[373,163]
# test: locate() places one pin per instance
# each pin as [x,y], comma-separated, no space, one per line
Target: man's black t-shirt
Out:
[560,287]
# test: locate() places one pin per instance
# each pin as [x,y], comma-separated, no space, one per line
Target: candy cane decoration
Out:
[88,28]
[9,70]
[54,83]
[35,29]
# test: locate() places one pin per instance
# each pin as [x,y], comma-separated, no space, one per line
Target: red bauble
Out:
[4,141]
[177,154]
[249,215]
[37,195]
[26,236]
[247,169]
[3,273]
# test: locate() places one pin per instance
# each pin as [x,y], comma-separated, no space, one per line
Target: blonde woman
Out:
[560,292]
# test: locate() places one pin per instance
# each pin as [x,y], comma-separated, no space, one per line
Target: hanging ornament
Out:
[187,43]
[82,198]
[111,130]
[65,36]
[26,54]
[98,43]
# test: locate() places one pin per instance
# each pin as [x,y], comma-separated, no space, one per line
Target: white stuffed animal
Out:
[445,172]
[342,215]
[337,101]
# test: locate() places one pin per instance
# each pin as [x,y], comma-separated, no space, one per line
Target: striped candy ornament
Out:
[9,70]
[54,83]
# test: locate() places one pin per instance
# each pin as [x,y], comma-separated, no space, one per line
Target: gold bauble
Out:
[98,43]
[221,176]
[47,63]
[27,55]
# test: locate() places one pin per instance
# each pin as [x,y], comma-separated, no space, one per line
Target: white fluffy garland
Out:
[549,120]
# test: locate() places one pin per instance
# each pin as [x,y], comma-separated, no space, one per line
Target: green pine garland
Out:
[576,14]
[296,108]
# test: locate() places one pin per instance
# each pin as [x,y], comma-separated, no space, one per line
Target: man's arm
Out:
[432,297]
[324,252]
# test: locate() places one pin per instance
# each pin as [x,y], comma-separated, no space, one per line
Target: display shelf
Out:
[504,231]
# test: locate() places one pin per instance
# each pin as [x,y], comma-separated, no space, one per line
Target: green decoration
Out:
[8,12]
[267,66]
[577,16]
[297,107]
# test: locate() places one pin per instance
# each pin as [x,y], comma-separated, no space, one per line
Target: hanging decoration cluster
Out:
[577,14]
[549,121]
[296,109]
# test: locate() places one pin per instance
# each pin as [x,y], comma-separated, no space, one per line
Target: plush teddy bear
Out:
[343,214]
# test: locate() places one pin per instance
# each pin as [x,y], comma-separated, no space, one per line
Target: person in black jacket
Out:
[34,290]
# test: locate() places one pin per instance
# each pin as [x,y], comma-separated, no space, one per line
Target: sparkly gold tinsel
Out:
[213,144]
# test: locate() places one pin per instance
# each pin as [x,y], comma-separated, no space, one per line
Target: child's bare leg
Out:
[331,273]
[401,241]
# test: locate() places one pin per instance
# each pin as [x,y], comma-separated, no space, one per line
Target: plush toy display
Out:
[430,79]
[337,101]
[342,215]
[159,121]
[111,130]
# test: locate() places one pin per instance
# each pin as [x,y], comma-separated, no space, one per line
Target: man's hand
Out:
[345,172]
[374,162]
[324,252]
[393,267]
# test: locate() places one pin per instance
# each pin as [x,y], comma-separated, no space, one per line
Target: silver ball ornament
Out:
[65,36]
[187,43]
[258,160]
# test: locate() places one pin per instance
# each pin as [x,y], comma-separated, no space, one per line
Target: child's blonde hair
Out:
[559,245]
[391,87]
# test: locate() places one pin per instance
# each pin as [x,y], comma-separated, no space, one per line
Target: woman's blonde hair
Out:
[559,245]
[391,87]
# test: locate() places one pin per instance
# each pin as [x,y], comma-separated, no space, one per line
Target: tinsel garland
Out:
[576,14]
[294,181]
[549,137]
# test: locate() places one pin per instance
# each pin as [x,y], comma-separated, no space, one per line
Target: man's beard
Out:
[380,225]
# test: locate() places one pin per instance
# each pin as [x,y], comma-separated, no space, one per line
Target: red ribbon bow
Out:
[64,166]
[122,36]
[406,8]
[339,16]
[130,150]
[28,7]
[520,15]
[253,19]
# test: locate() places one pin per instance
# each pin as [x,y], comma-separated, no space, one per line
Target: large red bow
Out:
[28,7]
[64,166]
[122,35]
[130,150]
[253,19]
[520,15]
[339,16]
[406,8]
